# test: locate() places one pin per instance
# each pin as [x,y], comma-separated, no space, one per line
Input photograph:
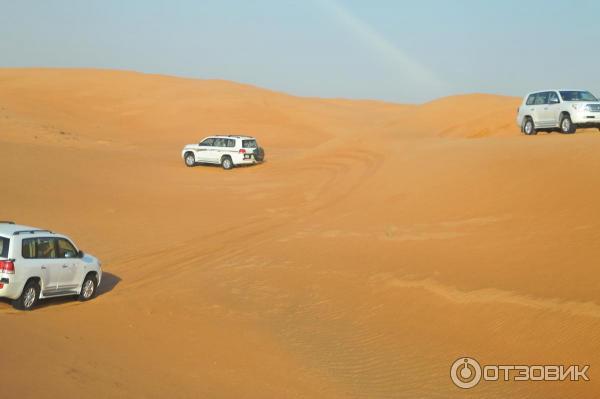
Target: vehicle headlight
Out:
[588,107]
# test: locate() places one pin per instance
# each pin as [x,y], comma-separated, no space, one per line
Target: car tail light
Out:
[7,266]
[242,151]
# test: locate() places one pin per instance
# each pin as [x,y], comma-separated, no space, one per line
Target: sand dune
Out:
[379,242]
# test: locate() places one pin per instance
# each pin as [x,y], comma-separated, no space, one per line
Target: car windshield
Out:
[577,96]
[4,247]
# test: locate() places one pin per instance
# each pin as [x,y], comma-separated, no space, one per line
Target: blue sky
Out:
[402,51]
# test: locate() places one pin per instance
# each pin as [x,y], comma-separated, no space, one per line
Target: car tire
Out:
[227,163]
[88,288]
[189,159]
[566,125]
[529,127]
[29,297]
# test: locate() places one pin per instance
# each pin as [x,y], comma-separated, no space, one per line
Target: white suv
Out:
[227,151]
[37,263]
[558,110]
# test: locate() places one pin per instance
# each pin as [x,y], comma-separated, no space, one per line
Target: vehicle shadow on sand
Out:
[212,166]
[108,283]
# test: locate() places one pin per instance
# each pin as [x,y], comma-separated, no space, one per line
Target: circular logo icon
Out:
[465,372]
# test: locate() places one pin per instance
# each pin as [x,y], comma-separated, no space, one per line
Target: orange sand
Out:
[379,243]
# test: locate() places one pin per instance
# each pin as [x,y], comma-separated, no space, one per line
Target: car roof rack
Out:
[16,233]
[6,222]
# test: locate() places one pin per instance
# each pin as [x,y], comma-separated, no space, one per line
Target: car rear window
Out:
[39,248]
[249,144]
[4,243]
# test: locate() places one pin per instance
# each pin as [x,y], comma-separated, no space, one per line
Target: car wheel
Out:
[529,127]
[29,297]
[190,159]
[227,163]
[566,125]
[88,288]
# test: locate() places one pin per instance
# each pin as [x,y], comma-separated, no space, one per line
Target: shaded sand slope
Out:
[370,251]
[470,116]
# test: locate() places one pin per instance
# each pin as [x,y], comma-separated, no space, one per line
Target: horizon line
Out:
[254,85]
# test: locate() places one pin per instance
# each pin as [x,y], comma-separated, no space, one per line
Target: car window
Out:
[530,99]
[207,142]
[219,142]
[230,143]
[249,144]
[553,98]
[541,98]
[28,248]
[39,248]
[4,242]
[66,249]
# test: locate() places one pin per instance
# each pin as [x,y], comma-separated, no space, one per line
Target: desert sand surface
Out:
[377,244]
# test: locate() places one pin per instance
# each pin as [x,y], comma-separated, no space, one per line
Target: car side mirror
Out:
[80,254]
[554,101]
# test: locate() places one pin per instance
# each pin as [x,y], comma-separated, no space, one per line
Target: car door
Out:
[204,152]
[72,268]
[529,108]
[550,112]
[219,149]
[41,252]
[537,108]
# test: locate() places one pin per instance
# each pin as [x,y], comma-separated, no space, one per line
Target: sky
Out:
[392,50]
